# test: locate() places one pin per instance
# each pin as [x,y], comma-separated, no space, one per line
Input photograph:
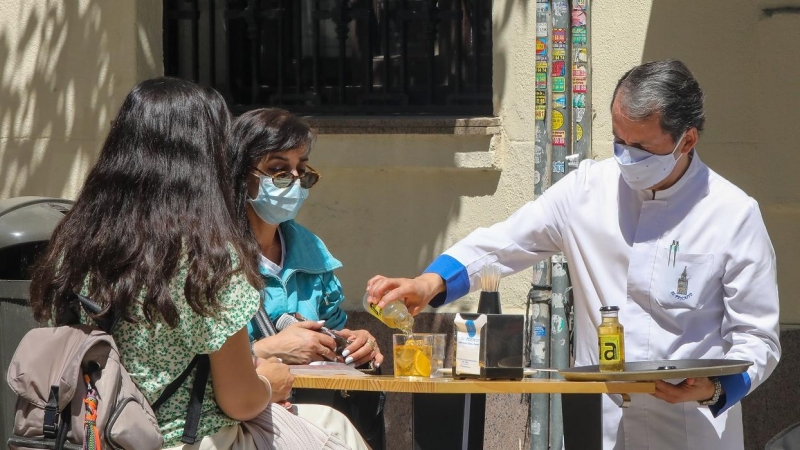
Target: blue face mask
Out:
[276,205]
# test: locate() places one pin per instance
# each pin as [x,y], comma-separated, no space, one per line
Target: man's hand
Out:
[416,293]
[362,349]
[298,343]
[689,390]
[279,376]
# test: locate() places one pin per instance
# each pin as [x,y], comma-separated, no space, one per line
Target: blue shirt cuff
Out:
[455,279]
[735,388]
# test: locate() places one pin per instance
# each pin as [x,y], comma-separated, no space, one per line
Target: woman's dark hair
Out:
[254,135]
[160,191]
[666,88]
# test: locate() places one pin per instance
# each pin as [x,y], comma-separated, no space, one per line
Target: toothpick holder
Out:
[489,303]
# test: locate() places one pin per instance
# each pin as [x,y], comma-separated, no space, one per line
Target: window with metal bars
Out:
[336,56]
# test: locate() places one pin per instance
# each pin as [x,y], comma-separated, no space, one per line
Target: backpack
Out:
[73,392]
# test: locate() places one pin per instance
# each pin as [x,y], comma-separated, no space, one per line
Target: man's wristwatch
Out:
[717,392]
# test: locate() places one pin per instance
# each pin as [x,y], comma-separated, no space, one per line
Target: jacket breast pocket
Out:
[679,284]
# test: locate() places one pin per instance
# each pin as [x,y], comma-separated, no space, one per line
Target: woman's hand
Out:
[363,347]
[279,376]
[416,293]
[299,343]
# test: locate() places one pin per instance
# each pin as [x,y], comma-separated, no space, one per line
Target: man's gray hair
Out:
[666,88]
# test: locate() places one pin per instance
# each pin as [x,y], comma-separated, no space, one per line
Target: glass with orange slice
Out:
[412,355]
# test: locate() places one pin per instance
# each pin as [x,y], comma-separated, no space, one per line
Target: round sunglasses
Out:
[284,179]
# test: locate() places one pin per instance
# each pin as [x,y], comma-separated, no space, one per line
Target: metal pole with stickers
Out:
[563,137]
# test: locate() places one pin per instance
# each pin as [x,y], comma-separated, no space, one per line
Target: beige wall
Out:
[65,67]
[395,220]
[390,203]
[746,63]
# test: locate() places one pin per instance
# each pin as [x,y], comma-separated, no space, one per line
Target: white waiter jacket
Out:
[718,300]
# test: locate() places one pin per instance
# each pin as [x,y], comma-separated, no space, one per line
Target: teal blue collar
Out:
[305,252]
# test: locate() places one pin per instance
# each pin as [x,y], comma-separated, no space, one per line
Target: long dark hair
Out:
[159,192]
[254,135]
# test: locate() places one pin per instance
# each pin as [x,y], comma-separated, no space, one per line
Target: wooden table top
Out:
[448,385]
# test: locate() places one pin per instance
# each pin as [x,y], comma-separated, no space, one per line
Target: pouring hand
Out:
[416,293]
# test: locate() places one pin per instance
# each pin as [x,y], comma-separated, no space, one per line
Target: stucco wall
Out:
[416,196]
[741,58]
[64,69]
[389,204]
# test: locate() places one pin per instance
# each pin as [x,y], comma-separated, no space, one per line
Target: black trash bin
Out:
[26,224]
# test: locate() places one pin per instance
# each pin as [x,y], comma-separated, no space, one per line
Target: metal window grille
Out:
[336,56]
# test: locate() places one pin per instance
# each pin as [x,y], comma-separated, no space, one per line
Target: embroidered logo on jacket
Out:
[683,287]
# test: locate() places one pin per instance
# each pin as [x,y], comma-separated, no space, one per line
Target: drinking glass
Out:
[438,351]
[412,354]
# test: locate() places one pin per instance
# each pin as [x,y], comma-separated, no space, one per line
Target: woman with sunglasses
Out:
[269,154]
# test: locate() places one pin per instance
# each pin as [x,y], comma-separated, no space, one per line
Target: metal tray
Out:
[659,370]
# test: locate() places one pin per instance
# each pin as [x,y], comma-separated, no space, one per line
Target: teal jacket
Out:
[306,284]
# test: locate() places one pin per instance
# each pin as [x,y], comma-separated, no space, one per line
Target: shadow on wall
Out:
[388,221]
[60,86]
[739,55]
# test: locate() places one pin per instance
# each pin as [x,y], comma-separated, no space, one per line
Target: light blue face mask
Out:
[276,205]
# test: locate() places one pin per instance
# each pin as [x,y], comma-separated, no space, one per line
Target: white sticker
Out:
[468,344]
[541,29]
[579,112]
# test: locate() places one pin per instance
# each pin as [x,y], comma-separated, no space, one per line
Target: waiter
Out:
[680,250]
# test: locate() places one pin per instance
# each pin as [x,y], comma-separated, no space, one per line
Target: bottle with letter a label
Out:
[611,340]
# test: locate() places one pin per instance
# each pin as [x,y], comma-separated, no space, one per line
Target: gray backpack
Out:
[53,372]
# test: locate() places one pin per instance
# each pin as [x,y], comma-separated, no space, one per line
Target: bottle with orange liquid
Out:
[394,315]
[611,340]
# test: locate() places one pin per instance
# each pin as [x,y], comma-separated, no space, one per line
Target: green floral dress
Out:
[154,355]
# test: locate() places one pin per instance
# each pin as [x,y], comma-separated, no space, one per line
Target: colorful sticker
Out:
[541,81]
[579,113]
[558,120]
[579,86]
[541,67]
[559,101]
[559,139]
[541,105]
[559,84]
[580,4]
[579,72]
[578,18]
[541,46]
[559,67]
[558,166]
[542,7]
[559,36]
[579,101]
[559,54]
[578,133]
[581,55]
[541,29]
[541,99]
[579,36]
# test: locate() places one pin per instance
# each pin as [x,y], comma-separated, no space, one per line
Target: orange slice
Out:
[422,364]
